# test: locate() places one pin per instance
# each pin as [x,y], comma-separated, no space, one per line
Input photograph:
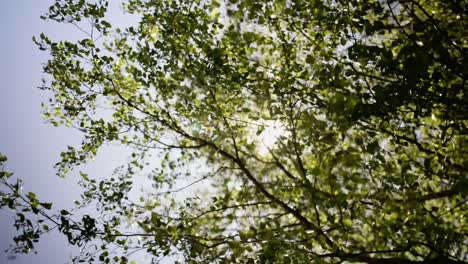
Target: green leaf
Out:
[64,212]
[47,206]
[348,222]
[31,196]
[260,129]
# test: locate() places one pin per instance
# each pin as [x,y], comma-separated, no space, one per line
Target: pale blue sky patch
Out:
[32,146]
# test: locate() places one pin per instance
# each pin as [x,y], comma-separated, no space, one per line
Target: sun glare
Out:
[269,137]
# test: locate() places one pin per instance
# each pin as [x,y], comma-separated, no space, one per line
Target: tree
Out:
[286,131]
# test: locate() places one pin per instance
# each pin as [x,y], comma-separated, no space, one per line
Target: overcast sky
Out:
[31,145]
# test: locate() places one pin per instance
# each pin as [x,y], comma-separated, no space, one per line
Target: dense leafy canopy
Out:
[273,131]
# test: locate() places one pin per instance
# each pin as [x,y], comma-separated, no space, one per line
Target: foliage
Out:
[283,131]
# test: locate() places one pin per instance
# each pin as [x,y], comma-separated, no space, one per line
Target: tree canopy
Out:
[287,131]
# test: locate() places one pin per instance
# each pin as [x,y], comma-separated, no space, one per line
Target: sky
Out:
[31,145]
